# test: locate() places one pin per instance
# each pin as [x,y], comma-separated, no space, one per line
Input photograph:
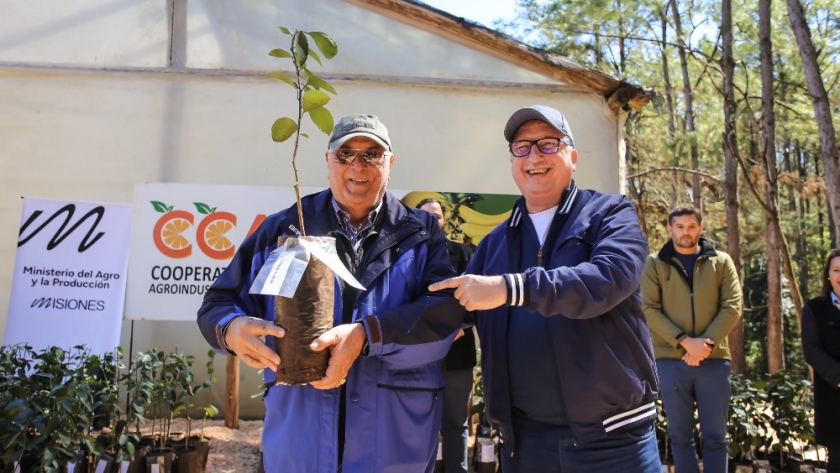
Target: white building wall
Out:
[71,130]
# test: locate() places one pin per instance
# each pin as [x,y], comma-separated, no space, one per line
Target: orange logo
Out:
[211,233]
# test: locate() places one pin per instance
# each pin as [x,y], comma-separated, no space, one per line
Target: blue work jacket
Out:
[588,288]
[393,394]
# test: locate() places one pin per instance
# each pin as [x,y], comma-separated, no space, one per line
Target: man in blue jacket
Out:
[379,406]
[568,368]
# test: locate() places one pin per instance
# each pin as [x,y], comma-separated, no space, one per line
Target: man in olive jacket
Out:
[692,300]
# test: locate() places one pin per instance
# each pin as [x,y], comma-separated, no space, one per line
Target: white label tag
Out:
[71,467]
[100,467]
[124,466]
[488,455]
[440,450]
[155,468]
[17,467]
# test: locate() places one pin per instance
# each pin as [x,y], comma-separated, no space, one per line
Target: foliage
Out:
[59,404]
[53,402]
[789,417]
[747,418]
[311,91]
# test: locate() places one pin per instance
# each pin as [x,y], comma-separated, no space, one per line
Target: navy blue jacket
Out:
[588,287]
[392,395]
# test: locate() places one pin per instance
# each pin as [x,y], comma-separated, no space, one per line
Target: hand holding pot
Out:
[243,338]
[345,343]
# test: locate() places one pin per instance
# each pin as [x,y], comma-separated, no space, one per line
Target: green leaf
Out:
[282,76]
[301,48]
[282,129]
[319,83]
[315,56]
[325,44]
[314,99]
[322,118]
[169,209]
[281,53]
[203,208]
[285,30]
[304,135]
[159,206]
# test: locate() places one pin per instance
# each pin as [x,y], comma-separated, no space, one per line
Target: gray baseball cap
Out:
[538,112]
[353,126]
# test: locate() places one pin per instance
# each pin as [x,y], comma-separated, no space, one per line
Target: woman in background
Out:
[821,344]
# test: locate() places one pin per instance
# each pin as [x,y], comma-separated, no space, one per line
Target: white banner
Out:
[68,285]
[184,235]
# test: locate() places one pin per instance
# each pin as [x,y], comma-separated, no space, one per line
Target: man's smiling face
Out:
[542,177]
[358,187]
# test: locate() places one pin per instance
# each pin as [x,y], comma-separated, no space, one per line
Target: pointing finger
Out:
[446,284]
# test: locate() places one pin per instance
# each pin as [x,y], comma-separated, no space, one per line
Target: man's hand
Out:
[691,360]
[476,292]
[345,343]
[698,348]
[243,337]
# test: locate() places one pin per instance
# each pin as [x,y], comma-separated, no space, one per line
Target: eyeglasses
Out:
[371,157]
[520,148]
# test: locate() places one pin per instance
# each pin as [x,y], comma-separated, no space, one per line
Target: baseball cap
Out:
[538,112]
[353,126]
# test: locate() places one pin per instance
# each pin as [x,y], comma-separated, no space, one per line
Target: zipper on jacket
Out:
[540,257]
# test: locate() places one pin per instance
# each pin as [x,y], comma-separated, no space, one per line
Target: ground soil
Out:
[232,450]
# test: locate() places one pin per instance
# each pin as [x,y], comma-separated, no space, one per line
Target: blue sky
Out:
[481,11]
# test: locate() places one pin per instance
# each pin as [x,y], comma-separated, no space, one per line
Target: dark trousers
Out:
[457,389]
[633,451]
[681,387]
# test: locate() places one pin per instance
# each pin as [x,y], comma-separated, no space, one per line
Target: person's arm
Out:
[422,330]
[658,322]
[729,306]
[610,275]
[826,366]
[228,301]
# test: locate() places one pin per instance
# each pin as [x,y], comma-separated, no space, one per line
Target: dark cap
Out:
[353,126]
[538,112]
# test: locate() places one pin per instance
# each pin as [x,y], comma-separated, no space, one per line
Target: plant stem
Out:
[297,133]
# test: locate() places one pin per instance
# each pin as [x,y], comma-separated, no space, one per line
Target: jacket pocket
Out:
[421,378]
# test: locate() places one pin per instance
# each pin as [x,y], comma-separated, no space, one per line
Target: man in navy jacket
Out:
[379,407]
[568,368]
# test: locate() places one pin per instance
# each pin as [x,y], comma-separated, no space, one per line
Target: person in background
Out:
[378,408]
[692,300]
[457,366]
[567,364]
[821,345]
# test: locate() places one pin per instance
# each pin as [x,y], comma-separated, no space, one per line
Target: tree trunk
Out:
[822,110]
[669,100]
[775,328]
[733,204]
[689,107]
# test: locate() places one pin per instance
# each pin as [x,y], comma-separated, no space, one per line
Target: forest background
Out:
[740,125]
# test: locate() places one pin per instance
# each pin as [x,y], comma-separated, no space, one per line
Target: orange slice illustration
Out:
[211,235]
[169,234]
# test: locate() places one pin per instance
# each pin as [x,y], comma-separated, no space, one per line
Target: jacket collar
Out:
[707,250]
[318,207]
[567,202]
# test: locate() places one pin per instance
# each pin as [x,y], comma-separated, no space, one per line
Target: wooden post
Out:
[232,393]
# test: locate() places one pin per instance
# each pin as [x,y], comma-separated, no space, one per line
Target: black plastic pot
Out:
[103,463]
[188,460]
[160,460]
[304,317]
